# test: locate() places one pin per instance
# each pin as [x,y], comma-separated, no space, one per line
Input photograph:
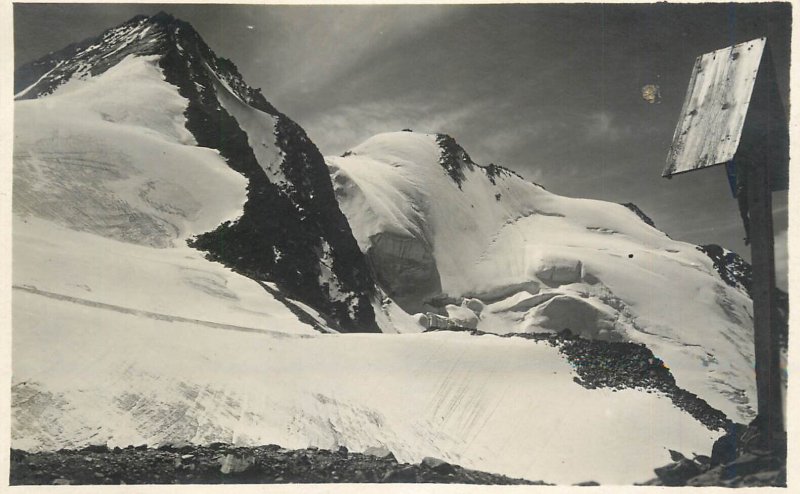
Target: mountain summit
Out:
[291,231]
[463,245]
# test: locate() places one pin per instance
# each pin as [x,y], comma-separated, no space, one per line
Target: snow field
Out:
[174,283]
[107,189]
[503,405]
[92,157]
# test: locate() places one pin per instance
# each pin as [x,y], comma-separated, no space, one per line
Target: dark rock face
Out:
[291,231]
[454,159]
[227,464]
[733,270]
[439,466]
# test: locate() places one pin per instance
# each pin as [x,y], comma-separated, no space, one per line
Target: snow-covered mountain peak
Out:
[426,148]
[405,146]
[140,36]
[462,247]
[158,75]
[160,34]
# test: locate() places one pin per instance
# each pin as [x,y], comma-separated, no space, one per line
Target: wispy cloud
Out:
[345,126]
[321,45]
[603,126]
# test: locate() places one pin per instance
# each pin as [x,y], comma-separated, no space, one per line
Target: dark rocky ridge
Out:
[734,271]
[633,207]
[454,159]
[286,227]
[227,464]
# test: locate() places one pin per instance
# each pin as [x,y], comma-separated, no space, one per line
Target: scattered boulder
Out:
[438,465]
[676,456]
[405,474]
[678,473]
[380,452]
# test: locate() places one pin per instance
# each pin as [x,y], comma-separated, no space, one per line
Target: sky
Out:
[553,92]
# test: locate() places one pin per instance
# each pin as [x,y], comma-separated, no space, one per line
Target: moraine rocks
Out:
[220,463]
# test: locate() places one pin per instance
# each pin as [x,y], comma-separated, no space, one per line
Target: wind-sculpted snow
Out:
[539,261]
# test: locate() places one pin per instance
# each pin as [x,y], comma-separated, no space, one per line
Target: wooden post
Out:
[719,124]
[768,379]
[764,151]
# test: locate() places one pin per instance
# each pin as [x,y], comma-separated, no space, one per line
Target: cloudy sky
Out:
[551,91]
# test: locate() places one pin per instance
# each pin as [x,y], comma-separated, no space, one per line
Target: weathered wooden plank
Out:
[713,114]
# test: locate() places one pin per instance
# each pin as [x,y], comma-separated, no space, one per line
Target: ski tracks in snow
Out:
[151,315]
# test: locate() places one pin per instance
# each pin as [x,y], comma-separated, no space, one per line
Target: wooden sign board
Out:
[713,115]
[733,114]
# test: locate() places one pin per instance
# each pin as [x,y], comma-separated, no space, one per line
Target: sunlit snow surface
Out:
[124,335]
[542,261]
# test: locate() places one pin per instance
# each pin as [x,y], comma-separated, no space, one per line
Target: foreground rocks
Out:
[738,459]
[223,463]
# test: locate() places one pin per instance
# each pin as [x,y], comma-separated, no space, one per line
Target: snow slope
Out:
[93,158]
[496,404]
[527,260]
[106,190]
